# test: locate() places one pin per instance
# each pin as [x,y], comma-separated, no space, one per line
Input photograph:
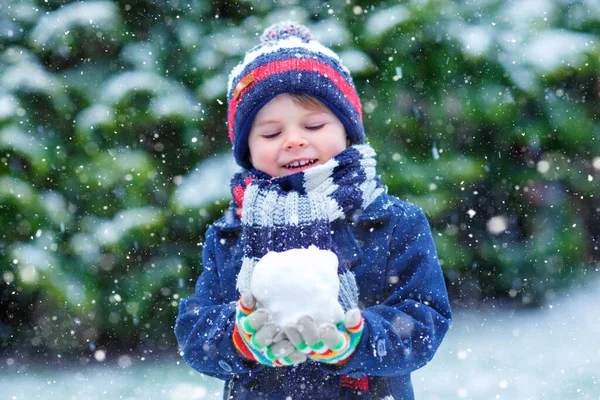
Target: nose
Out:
[294,138]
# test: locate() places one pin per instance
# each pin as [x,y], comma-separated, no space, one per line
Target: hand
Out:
[328,343]
[260,340]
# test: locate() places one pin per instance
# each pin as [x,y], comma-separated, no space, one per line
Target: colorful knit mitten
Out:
[260,340]
[328,343]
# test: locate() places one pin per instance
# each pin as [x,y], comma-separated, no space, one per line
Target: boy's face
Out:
[286,138]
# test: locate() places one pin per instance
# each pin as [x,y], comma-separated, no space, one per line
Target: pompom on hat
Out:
[289,60]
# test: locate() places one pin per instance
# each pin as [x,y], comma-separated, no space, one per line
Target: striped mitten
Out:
[329,343]
[260,340]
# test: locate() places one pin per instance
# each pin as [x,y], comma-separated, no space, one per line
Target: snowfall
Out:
[491,352]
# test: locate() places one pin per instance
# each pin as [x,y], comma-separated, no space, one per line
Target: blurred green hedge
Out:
[114,154]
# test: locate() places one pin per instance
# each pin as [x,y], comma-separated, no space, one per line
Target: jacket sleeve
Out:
[403,332]
[204,324]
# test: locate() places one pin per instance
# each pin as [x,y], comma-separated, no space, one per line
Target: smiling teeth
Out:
[297,164]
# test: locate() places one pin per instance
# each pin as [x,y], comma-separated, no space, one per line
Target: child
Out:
[295,121]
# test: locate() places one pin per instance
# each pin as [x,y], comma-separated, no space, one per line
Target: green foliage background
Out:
[114,154]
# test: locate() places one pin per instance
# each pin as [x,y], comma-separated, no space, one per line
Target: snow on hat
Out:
[289,60]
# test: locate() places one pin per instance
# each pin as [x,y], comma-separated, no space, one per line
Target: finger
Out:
[352,318]
[297,357]
[280,336]
[265,335]
[258,319]
[308,330]
[247,300]
[282,348]
[331,336]
[294,336]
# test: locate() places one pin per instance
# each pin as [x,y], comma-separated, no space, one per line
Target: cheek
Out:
[256,148]
[342,142]
[265,153]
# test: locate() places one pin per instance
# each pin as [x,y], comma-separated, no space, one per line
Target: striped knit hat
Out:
[288,60]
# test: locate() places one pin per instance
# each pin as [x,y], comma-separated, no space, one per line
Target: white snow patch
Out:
[524,77]
[232,42]
[144,56]
[170,98]
[330,33]
[29,78]
[124,83]
[173,105]
[209,58]
[475,39]
[381,21]
[555,48]
[207,183]
[94,116]
[298,282]
[17,189]
[356,61]
[111,232]
[189,392]
[50,29]
[8,106]
[86,247]
[36,257]
[213,88]
[13,136]
[526,15]
[56,208]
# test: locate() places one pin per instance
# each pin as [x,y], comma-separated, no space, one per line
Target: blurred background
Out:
[114,158]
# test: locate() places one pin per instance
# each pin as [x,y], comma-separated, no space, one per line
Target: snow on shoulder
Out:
[298,282]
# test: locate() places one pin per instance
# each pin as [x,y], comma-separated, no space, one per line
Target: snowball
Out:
[298,282]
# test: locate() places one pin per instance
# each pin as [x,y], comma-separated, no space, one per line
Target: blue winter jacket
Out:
[403,300]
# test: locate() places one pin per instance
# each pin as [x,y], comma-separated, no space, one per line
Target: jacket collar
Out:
[229,222]
[378,211]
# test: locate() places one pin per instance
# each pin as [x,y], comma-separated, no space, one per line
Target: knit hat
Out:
[289,60]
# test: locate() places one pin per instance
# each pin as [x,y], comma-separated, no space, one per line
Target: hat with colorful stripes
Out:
[289,60]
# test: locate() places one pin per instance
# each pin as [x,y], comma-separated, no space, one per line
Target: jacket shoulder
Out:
[229,222]
[405,208]
[388,206]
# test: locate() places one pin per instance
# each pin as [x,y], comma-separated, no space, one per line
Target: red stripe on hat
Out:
[293,64]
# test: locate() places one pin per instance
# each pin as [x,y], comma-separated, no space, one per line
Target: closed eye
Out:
[271,135]
[315,127]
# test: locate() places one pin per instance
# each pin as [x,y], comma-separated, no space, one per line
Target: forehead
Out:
[282,104]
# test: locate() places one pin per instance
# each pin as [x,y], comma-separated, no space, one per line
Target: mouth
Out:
[299,164]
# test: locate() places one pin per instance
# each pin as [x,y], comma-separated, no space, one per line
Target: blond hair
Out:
[307,101]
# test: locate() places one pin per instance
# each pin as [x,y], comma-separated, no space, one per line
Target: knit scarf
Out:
[296,211]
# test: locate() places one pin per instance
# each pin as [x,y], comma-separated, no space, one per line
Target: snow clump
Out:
[298,282]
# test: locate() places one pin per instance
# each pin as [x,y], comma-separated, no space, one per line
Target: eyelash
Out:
[315,127]
[271,135]
[310,128]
